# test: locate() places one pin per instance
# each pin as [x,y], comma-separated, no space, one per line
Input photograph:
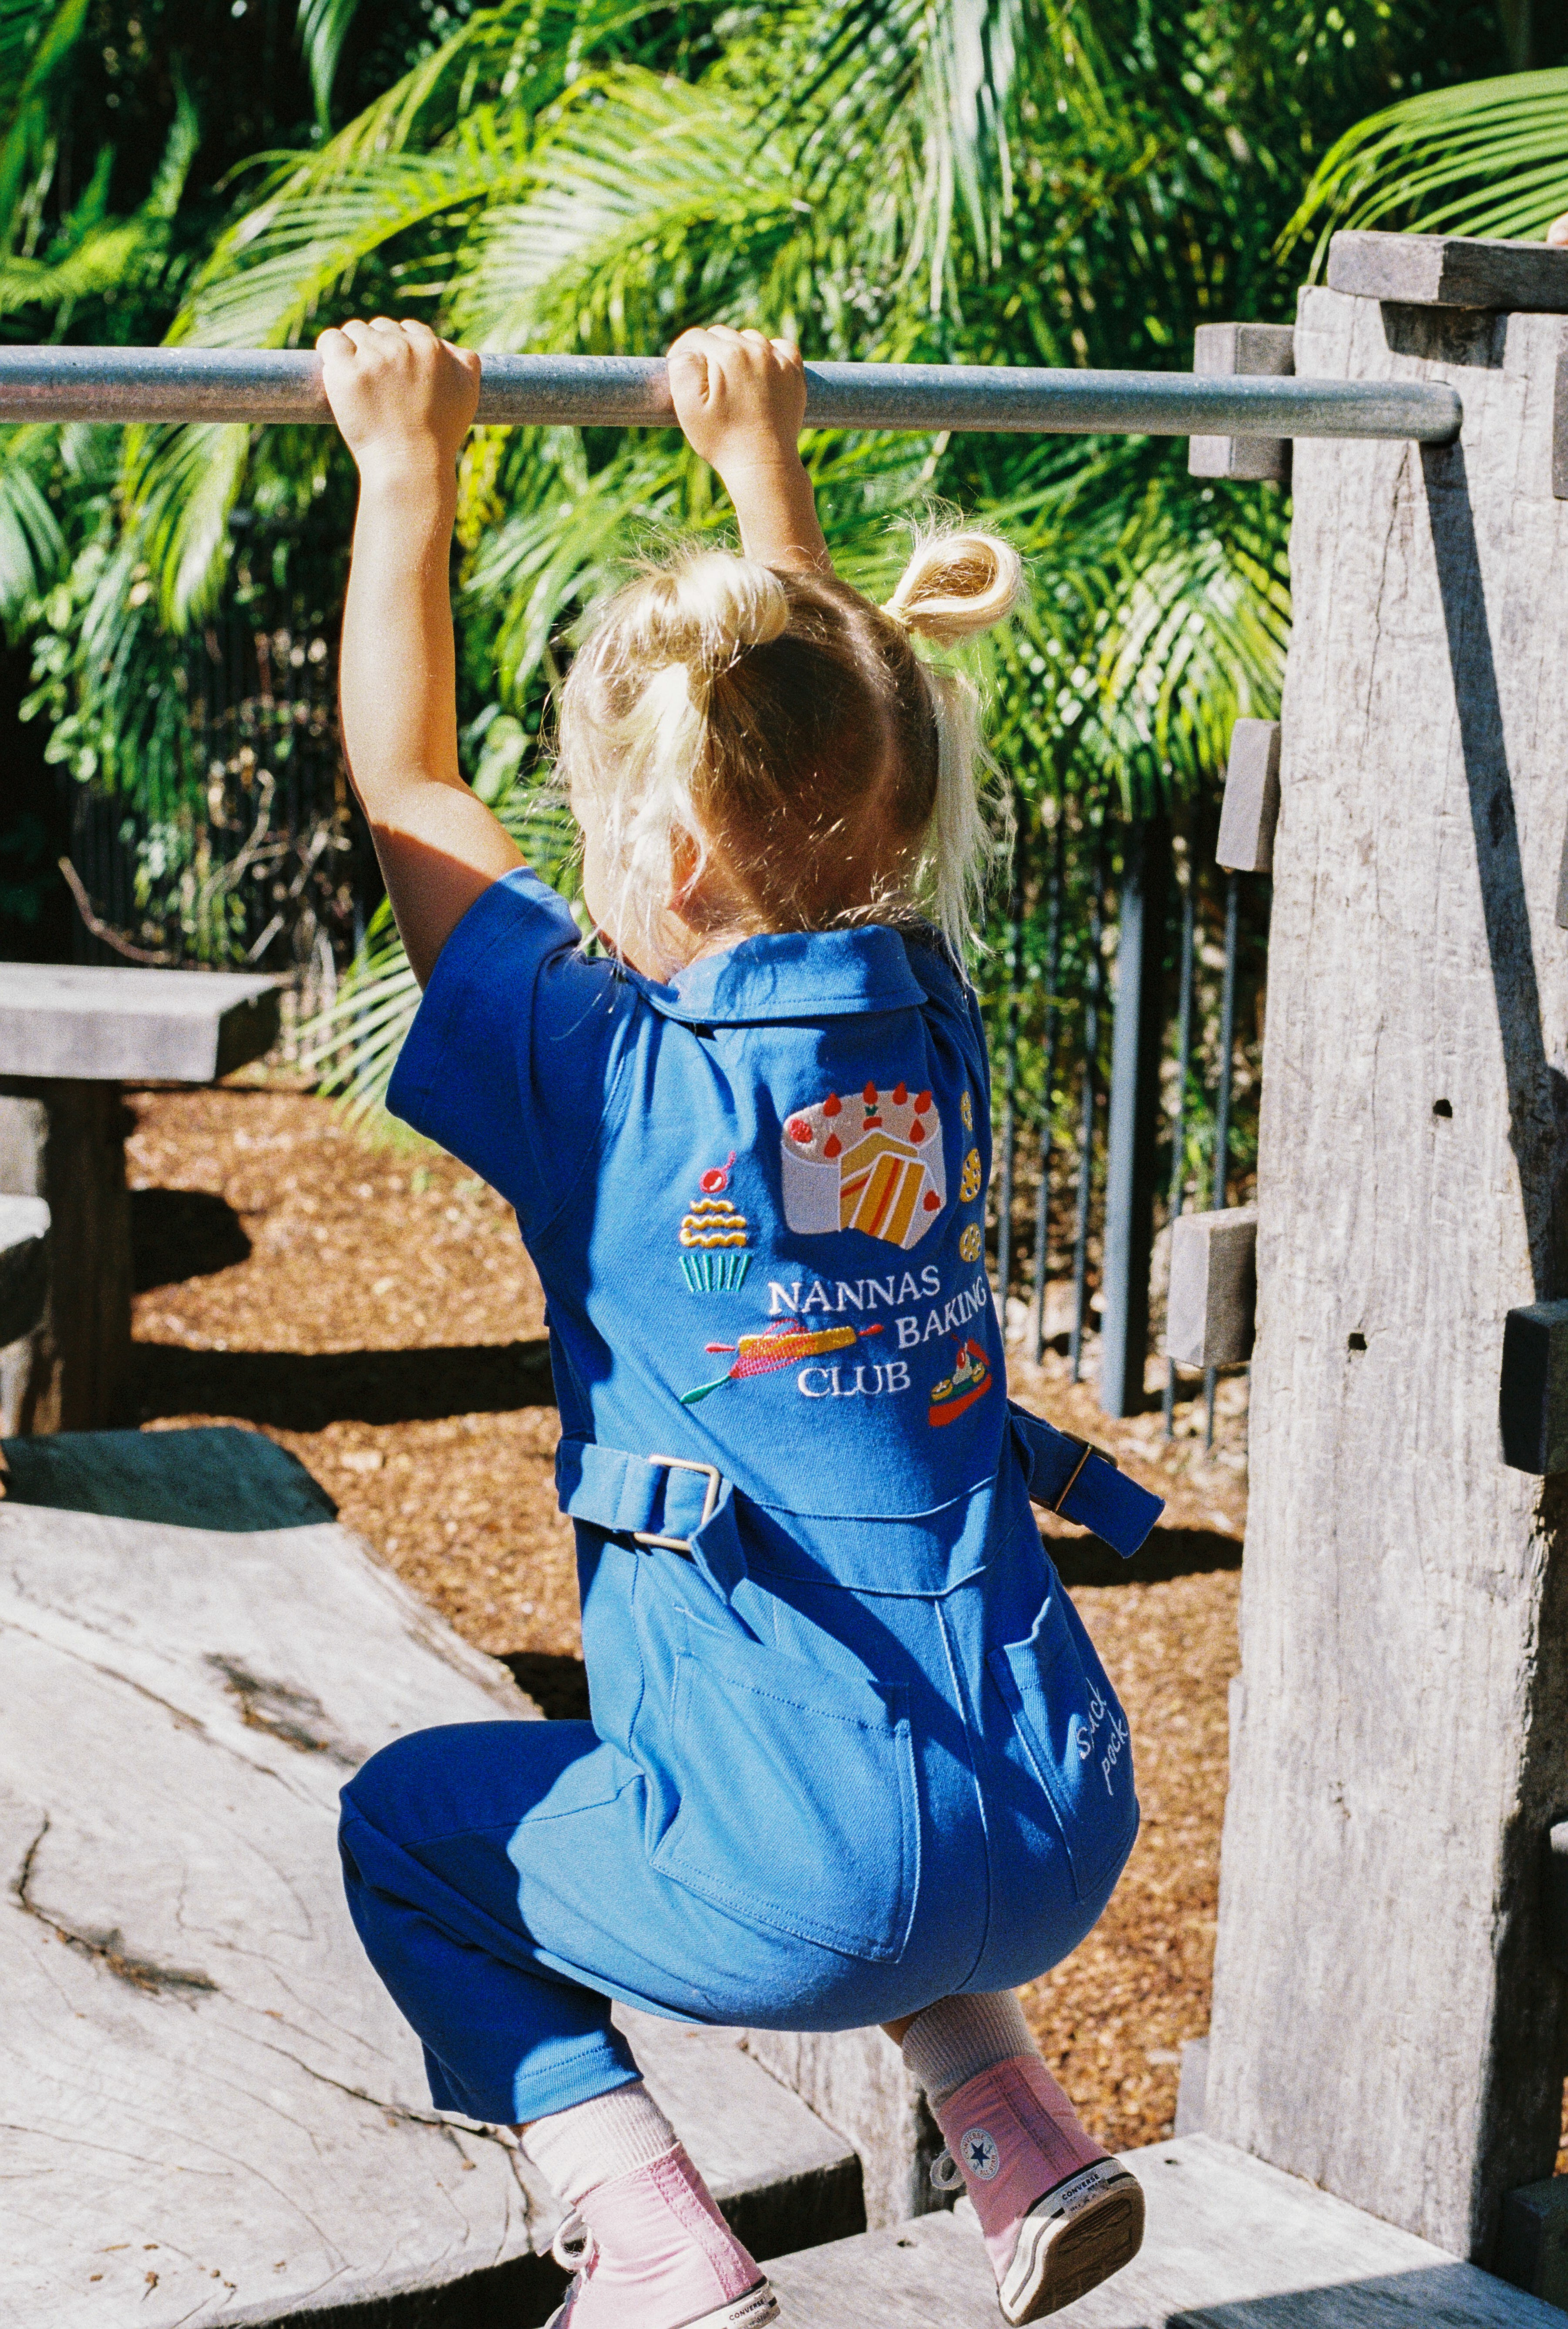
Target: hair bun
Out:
[956,584]
[707,610]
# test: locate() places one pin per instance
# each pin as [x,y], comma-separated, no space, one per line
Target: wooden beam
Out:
[178,1709]
[111,1025]
[1250,348]
[1533,1403]
[1387,2021]
[1250,808]
[1230,2243]
[1533,2252]
[1449,270]
[24,1265]
[1211,1309]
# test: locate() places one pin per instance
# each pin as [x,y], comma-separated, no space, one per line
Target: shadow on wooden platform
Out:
[213,1477]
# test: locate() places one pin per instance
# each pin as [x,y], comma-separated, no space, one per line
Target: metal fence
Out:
[1126,1026]
[254,850]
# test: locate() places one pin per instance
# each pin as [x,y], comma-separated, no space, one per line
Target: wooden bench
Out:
[69,1038]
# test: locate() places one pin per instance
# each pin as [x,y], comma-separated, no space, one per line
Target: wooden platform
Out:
[212,2112]
[1231,2244]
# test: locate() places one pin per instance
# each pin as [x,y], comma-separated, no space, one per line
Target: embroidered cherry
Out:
[900,1094]
[831,1144]
[933,1201]
[922,1103]
[798,1130]
[717,1178]
[917,1130]
[831,1105]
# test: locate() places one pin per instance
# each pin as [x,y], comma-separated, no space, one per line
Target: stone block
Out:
[1247,348]
[1251,809]
[1532,1402]
[1449,270]
[1211,1317]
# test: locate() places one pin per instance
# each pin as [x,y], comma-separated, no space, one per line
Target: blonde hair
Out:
[785,726]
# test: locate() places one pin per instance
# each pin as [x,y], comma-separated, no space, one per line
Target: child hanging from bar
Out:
[853,1758]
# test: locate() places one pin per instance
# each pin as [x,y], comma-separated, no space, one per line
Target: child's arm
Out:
[741,399]
[404,401]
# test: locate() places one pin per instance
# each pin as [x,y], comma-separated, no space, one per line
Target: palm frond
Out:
[37,39]
[633,167]
[352,1045]
[324,26]
[1486,157]
[32,549]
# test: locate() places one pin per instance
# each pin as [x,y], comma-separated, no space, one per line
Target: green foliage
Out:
[1488,157]
[983,181]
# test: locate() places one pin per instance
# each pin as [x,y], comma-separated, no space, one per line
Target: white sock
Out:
[579,2149]
[957,2038]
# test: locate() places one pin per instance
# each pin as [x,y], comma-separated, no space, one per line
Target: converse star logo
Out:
[980,2155]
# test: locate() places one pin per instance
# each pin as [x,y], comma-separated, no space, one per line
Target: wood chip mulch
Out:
[371,1310]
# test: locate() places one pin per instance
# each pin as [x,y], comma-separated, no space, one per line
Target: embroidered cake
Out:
[870,1160]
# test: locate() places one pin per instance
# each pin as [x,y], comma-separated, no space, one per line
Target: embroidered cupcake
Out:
[714,1237]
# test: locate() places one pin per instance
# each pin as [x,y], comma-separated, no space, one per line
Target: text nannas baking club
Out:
[970,1380]
[870,1160]
[714,1235]
[782,1344]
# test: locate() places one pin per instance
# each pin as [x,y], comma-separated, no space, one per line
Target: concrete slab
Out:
[1231,2244]
[110,1025]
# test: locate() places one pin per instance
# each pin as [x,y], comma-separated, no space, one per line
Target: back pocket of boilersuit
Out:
[1075,1738]
[797,1797]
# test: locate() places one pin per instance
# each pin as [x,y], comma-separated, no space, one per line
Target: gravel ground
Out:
[371,1310]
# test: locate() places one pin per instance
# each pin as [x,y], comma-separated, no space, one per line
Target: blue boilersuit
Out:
[851,1748]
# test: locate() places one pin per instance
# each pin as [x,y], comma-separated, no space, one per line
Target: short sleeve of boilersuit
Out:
[513,1051]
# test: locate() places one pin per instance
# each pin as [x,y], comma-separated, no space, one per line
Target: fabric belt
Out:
[665,1500]
[1080,1481]
[656,1499]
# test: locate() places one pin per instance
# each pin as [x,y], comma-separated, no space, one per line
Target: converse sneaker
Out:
[650,2250]
[1059,2215]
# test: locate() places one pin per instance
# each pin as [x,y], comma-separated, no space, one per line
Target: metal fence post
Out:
[1009,1141]
[1048,1072]
[1093,1004]
[1133,1128]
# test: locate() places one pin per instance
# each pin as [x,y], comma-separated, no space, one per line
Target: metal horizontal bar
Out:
[272,384]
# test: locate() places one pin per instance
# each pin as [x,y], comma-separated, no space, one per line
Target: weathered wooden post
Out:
[1388,2020]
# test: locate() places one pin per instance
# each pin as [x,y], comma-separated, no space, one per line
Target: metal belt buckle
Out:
[1086,1449]
[710,1500]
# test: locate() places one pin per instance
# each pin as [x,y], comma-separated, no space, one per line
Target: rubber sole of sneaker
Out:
[1071,2240]
[755,2310]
